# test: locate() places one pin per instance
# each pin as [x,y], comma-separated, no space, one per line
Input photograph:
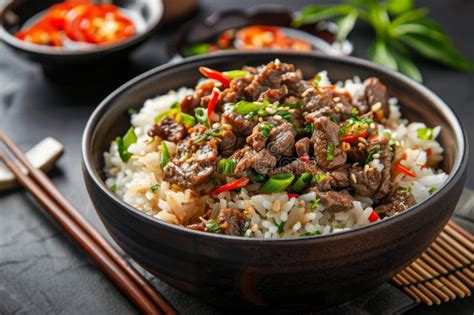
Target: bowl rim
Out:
[457,171]
[12,41]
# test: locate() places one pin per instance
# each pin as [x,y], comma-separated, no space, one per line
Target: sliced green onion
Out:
[212,226]
[425,133]
[188,120]
[432,190]
[244,107]
[286,115]
[277,183]
[201,116]
[214,132]
[164,155]
[302,182]
[113,188]
[294,105]
[330,151]
[370,156]
[221,165]
[154,188]
[265,129]
[404,190]
[226,166]
[234,74]
[196,49]
[280,227]
[125,142]
[316,81]
[318,178]
[314,204]
[312,233]
[259,178]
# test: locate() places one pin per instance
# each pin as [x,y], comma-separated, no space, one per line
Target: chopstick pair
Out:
[132,284]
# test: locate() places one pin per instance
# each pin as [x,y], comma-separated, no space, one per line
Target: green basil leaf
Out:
[380,54]
[346,24]
[439,50]
[406,66]
[396,7]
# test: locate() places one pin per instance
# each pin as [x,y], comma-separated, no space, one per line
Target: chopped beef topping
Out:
[297,167]
[281,140]
[229,143]
[231,221]
[240,125]
[336,201]
[398,201]
[261,161]
[168,129]
[376,93]
[302,147]
[327,147]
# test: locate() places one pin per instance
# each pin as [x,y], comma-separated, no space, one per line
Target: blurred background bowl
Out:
[146,15]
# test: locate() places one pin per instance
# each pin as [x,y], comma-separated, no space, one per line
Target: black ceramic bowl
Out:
[303,273]
[145,13]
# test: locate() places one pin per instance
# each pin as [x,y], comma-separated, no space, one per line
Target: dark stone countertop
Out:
[43,271]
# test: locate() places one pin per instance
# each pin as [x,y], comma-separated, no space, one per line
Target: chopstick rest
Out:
[41,156]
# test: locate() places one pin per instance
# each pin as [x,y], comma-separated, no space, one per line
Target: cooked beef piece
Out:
[379,144]
[231,221]
[314,100]
[237,86]
[326,137]
[273,95]
[360,101]
[398,201]
[228,144]
[339,178]
[281,140]
[168,129]
[268,77]
[376,92]
[302,146]
[297,167]
[297,118]
[193,164]
[365,183]
[257,139]
[336,201]
[355,154]
[240,125]
[201,226]
[190,102]
[293,80]
[261,161]
[343,106]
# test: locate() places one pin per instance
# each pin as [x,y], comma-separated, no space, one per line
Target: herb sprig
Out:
[400,30]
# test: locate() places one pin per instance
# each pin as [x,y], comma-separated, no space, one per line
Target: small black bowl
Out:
[18,12]
[301,273]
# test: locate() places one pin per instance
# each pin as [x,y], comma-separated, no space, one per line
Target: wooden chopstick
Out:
[115,267]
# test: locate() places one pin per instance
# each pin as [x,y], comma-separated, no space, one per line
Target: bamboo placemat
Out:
[444,272]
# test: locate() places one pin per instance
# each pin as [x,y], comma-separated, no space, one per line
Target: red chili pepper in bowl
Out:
[215,75]
[292,195]
[212,104]
[402,169]
[238,183]
[374,216]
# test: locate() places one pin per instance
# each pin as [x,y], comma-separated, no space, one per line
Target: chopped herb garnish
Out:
[294,105]
[214,132]
[212,226]
[280,227]
[370,156]
[309,128]
[113,188]
[132,111]
[286,115]
[425,133]
[318,178]
[226,166]
[302,182]
[432,190]
[314,204]
[244,107]
[154,188]
[124,143]
[265,129]
[234,74]
[330,151]
[164,155]
[312,233]
[277,183]
[259,178]
[188,120]
[245,228]
[201,116]
[316,81]
[404,190]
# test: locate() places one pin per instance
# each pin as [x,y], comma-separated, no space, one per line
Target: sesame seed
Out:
[216,125]
[376,156]
[362,140]
[346,146]
[366,168]
[372,126]
[376,107]
[353,178]
[277,117]
[355,164]
[336,99]
[361,145]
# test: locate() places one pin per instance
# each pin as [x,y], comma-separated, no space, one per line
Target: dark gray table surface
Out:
[43,271]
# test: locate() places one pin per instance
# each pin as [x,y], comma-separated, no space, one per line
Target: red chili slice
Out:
[354,138]
[402,169]
[238,183]
[292,195]
[74,18]
[212,104]
[304,158]
[215,75]
[374,216]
